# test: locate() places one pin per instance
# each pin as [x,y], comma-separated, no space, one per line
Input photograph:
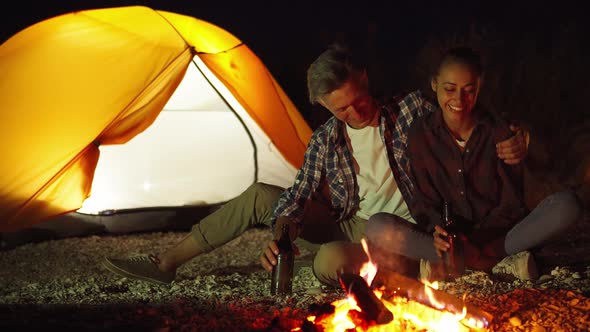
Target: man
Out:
[354,166]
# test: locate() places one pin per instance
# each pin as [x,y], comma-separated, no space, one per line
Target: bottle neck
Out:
[448,223]
[284,242]
[446,211]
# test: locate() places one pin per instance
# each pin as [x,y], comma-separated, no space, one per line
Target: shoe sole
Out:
[113,268]
[533,275]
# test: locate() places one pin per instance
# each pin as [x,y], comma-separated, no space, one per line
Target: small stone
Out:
[515,321]
[545,277]
[538,328]
[314,291]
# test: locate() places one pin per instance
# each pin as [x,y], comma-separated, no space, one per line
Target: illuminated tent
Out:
[136,108]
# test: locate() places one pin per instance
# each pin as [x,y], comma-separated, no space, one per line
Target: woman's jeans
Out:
[390,236]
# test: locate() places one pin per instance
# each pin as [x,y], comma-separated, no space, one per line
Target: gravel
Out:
[61,284]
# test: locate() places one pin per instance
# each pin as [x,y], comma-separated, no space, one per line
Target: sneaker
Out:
[141,267]
[431,271]
[520,265]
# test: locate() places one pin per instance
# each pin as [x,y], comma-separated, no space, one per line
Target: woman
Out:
[453,158]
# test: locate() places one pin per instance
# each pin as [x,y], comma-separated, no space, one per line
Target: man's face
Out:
[456,88]
[352,103]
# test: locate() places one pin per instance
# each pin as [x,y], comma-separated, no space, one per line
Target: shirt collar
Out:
[481,118]
[337,131]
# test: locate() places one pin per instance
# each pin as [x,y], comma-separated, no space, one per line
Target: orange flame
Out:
[368,270]
[408,315]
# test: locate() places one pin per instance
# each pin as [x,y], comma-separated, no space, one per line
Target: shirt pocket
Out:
[337,189]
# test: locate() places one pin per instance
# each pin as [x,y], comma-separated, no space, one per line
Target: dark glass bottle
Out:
[282,273]
[453,258]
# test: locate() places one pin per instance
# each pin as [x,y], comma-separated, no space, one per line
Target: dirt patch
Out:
[61,284]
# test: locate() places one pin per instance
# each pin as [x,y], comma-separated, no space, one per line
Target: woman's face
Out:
[456,88]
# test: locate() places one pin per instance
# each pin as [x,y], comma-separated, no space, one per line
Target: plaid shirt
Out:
[328,159]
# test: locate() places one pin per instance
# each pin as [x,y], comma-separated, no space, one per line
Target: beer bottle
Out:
[453,258]
[282,272]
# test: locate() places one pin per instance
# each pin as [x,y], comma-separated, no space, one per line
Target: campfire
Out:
[383,300]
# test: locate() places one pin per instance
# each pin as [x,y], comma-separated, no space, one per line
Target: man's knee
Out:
[265,192]
[334,258]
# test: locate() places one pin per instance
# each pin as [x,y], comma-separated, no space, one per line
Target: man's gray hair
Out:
[331,70]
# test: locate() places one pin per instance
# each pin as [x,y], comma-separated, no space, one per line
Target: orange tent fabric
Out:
[75,81]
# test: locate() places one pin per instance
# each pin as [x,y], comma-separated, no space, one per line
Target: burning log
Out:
[396,284]
[371,307]
[396,303]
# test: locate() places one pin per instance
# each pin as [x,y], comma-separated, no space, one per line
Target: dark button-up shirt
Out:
[328,159]
[486,194]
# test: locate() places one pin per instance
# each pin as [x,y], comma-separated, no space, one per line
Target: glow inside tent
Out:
[135,108]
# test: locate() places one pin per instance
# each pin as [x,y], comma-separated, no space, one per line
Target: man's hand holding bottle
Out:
[268,259]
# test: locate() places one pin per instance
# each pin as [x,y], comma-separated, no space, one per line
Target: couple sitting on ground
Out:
[380,171]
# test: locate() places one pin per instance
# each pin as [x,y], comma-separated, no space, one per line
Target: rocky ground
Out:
[60,284]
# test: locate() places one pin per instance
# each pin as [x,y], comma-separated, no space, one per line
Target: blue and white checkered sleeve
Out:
[291,202]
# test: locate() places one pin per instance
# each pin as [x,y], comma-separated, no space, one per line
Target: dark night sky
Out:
[287,35]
